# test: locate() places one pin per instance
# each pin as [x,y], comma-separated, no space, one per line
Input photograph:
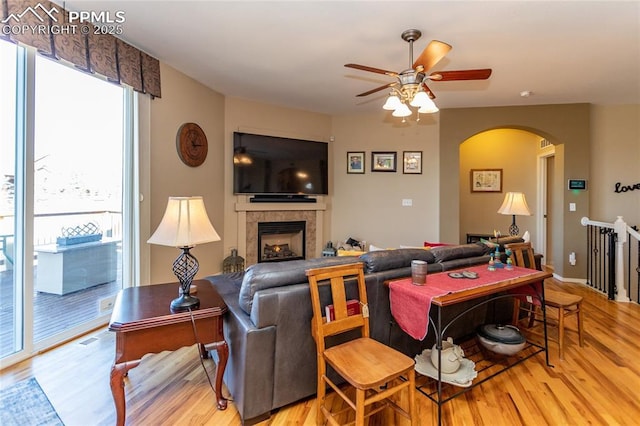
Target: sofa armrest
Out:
[250,383]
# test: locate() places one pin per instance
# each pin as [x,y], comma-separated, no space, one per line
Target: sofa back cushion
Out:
[445,253]
[383,260]
[275,274]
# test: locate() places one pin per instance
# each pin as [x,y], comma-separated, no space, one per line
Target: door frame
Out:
[542,207]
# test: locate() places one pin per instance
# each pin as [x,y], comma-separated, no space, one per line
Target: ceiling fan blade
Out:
[377,89]
[479,74]
[428,91]
[432,54]
[371,69]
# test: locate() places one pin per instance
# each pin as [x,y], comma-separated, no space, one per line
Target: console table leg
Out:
[118,373]
[223,355]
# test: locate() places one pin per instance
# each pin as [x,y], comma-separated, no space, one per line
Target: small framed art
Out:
[355,162]
[412,162]
[486,180]
[383,161]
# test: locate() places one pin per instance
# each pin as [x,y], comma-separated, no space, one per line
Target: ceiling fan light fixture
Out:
[428,108]
[421,99]
[402,111]
[392,103]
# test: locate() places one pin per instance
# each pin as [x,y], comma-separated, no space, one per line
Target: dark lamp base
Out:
[184,303]
[513,229]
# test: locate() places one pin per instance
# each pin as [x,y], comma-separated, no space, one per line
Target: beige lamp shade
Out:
[185,224]
[514,204]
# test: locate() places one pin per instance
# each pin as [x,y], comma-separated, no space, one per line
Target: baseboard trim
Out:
[570,280]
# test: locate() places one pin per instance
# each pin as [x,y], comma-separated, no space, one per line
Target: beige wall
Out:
[615,157]
[513,151]
[567,127]
[185,100]
[369,206]
[254,117]
[597,143]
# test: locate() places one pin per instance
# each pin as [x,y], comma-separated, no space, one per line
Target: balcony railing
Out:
[48,227]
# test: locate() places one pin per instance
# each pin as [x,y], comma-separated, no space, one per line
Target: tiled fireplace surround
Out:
[249,214]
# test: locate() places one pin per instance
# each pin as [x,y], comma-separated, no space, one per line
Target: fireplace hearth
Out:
[281,241]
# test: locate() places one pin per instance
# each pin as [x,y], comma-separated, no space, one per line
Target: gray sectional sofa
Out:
[271,351]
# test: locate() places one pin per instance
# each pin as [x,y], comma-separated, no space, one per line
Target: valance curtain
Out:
[93,52]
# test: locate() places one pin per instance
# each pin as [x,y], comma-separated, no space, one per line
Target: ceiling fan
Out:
[410,85]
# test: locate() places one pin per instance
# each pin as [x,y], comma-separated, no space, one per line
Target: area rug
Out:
[25,403]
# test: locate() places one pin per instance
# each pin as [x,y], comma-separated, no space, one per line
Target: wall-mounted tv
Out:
[276,165]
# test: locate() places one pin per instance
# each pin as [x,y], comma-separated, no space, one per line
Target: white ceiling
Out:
[293,53]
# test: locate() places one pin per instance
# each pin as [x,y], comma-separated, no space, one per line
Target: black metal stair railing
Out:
[610,263]
[633,272]
[601,252]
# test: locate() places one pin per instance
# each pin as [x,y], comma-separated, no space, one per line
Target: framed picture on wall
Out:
[412,162]
[383,161]
[355,162]
[486,180]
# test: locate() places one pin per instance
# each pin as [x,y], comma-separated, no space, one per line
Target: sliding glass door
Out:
[62,223]
[11,293]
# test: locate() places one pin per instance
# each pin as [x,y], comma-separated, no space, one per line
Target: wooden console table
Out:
[144,323]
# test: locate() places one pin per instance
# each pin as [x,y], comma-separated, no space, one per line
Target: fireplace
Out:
[250,214]
[281,241]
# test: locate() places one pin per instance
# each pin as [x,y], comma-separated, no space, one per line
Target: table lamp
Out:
[516,205]
[185,224]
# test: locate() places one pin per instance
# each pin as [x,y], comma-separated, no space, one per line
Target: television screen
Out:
[276,165]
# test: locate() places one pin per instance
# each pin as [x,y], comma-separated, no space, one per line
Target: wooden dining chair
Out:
[375,370]
[563,304]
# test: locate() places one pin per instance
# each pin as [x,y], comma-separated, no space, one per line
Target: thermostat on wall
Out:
[580,184]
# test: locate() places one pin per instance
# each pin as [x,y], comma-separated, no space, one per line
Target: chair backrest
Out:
[522,254]
[336,277]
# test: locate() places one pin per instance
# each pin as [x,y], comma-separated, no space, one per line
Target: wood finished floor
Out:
[595,385]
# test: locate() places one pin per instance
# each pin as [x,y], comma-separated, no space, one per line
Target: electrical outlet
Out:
[106,304]
[407,202]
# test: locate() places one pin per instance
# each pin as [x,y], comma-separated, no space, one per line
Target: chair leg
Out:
[321,392]
[516,311]
[561,315]
[320,402]
[412,397]
[360,408]
[579,319]
[534,309]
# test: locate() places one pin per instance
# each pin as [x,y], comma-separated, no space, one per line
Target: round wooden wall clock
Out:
[191,143]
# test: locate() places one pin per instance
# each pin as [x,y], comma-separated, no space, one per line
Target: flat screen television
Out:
[276,165]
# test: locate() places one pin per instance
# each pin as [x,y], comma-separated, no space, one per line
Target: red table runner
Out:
[410,303]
